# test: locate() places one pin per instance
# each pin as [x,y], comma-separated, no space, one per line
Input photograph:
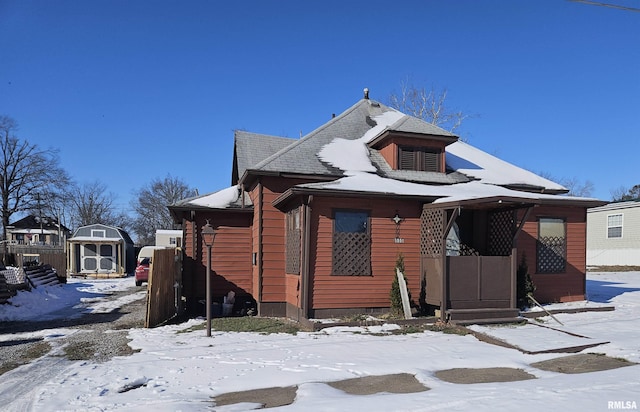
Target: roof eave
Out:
[293,192]
[501,201]
[535,189]
[393,133]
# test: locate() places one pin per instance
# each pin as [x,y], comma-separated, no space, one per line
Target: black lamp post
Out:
[208,235]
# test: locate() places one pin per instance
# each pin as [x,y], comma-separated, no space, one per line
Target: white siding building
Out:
[170,238]
[613,234]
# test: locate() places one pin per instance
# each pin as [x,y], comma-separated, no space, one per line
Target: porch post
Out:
[514,278]
[445,290]
[306,243]
[514,257]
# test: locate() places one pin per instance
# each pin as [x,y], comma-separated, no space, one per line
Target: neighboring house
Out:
[34,230]
[312,228]
[613,234]
[101,250]
[170,238]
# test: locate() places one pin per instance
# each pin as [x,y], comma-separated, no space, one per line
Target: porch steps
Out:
[484,316]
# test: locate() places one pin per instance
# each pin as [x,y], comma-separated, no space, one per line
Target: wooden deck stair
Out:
[43,275]
[483,316]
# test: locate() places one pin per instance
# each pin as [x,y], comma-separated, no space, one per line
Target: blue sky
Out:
[130,91]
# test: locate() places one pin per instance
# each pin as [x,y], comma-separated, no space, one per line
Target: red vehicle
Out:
[142,271]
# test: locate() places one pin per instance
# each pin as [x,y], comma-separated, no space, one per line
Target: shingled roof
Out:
[302,155]
[33,222]
[249,149]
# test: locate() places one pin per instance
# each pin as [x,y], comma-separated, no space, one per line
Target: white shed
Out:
[102,251]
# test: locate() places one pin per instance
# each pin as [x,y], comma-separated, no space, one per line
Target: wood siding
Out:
[230,255]
[557,287]
[292,283]
[269,241]
[330,292]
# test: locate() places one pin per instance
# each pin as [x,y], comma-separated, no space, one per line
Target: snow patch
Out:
[352,156]
[218,200]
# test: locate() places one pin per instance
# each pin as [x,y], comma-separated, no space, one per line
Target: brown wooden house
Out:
[312,228]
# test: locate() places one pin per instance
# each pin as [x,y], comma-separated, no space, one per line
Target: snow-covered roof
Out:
[96,239]
[228,198]
[363,182]
[341,151]
[478,164]
[339,147]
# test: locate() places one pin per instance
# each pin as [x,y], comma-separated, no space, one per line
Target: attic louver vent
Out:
[421,159]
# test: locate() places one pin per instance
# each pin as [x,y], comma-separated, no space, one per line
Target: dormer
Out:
[413,151]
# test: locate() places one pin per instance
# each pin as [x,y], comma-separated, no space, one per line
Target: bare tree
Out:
[92,203]
[428,105]
[27,172]
[150,206]
[576,187]
[622,193]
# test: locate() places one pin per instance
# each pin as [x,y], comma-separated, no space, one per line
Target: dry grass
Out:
[33,351]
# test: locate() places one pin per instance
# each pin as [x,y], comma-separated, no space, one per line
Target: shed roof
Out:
[79,234]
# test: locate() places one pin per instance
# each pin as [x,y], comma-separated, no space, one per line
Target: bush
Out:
[525,285]
[394,294]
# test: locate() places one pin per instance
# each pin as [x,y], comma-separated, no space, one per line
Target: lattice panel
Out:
[551,253]
[351,254]
[502,226]
[293,251]
[293,242]
[431,231]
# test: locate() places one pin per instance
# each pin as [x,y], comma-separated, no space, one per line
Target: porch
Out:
[469,256]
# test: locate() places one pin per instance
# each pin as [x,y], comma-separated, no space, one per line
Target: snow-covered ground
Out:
[183,371]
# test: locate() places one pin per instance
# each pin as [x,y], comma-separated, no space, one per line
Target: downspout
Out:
[306,261]
[259,252]
[445,289]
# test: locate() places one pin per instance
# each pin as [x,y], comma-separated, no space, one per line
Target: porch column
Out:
[445,290]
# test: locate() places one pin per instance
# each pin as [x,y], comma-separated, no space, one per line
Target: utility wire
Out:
[613,6]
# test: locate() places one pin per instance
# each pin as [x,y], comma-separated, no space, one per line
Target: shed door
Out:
[98,258]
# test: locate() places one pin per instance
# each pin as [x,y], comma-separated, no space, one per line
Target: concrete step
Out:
[456,315]
[492,321]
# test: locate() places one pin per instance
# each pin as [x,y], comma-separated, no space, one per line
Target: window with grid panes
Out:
[551,247]
[351,243]
[293,242]
[614,226]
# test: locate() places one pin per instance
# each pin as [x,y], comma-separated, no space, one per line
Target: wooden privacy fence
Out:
[163,289]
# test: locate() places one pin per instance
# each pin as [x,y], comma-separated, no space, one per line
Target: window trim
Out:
[621,226]
[539,245]
[101,233]
[367,258]
[293,241]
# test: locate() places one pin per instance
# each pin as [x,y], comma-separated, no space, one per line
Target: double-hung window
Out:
[614,226]
[351,243]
